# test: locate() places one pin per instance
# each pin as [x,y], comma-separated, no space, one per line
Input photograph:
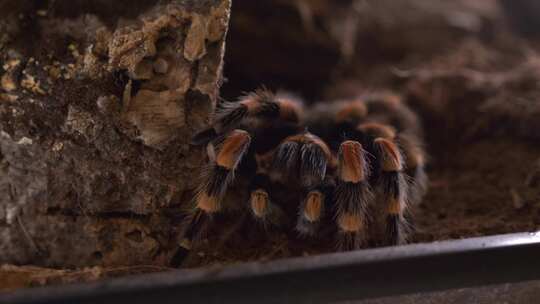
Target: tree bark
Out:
[96,111]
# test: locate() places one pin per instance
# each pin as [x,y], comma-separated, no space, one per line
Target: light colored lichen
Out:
[158,116]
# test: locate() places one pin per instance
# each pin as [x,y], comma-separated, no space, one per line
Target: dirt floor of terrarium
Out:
[484,167]
[475,190]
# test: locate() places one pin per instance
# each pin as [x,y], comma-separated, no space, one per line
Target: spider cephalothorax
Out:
[356,164]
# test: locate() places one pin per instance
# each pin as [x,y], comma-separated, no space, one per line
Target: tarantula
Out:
[356,164]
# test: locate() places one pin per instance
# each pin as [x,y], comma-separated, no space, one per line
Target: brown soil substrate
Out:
[478,191]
